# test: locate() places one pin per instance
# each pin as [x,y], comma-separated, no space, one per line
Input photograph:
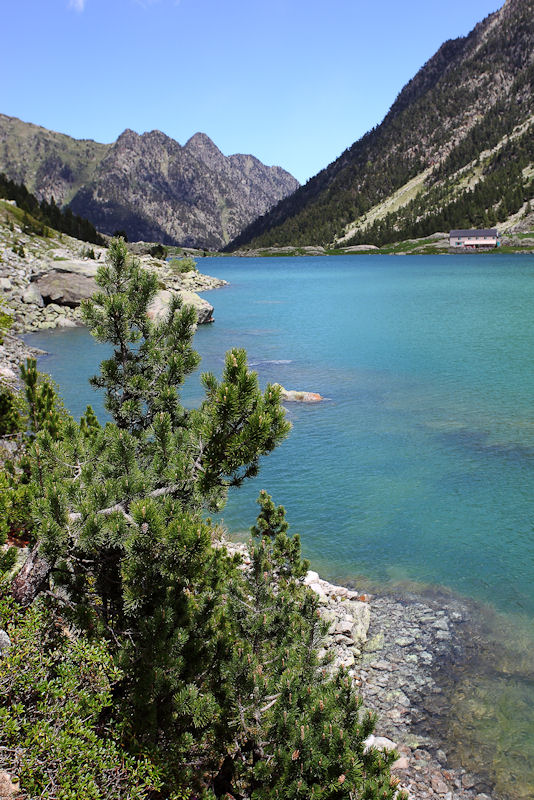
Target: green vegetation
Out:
[145,661]
[501,191]
[87,252]
[159,251]
[46,214]
[181,265]
[121,235]
[56,728]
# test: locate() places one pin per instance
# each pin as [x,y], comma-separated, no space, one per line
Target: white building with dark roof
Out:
[473,239]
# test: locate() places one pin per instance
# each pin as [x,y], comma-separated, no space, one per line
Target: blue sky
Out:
[294,82]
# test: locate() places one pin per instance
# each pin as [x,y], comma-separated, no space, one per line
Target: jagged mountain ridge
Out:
[416,171]
[148,185]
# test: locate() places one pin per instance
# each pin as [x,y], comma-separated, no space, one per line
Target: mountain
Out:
[455,150]
[147,185]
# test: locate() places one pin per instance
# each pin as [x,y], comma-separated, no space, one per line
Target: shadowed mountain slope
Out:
[455,150]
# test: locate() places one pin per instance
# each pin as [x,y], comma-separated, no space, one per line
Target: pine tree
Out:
[299,730]
[221,683]
[118,508]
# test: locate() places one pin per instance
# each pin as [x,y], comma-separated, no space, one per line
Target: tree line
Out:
[48,213]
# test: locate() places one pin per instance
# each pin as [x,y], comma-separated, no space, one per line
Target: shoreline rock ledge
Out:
[43,282]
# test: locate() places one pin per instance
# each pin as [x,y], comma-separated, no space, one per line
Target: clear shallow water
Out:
[419,467]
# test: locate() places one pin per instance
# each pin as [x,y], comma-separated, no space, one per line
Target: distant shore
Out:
[435,244]
[363,250]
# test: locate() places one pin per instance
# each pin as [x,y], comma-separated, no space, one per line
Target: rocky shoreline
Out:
[43,280]
[398,650]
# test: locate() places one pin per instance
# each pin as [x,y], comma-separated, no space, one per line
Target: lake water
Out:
[418,468]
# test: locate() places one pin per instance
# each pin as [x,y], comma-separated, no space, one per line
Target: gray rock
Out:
[378,742]
[375,643]
[400,763]
[438,784]
[158,307]
[9,786]
[319,591]
[362,618]
[468,781]
[7,373]
[345,659]
[340,638]
[344,626]
[33,296]
[65,322]
[356,248]
[5,642]
[404,641]
[65,288]
[327,615]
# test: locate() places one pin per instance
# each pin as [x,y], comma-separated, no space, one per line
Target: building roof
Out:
[474,232]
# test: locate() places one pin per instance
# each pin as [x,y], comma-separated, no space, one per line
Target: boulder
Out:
[160,304]
[296,396]
[327,615]
[65,288]
[358,248]
[33,296]
[361,614]
[65,322]
[80,266]
[379,743]
[7,373]
[344,626]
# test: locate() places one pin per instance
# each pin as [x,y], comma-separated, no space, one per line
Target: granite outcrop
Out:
[43,281]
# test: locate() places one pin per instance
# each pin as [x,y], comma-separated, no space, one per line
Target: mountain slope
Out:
[440,158]
[148,185]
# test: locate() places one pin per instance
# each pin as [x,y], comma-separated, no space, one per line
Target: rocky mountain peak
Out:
[147,185]
[201,140]
[201,146]
[128,136]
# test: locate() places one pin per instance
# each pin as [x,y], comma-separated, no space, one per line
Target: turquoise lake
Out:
[418,467]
